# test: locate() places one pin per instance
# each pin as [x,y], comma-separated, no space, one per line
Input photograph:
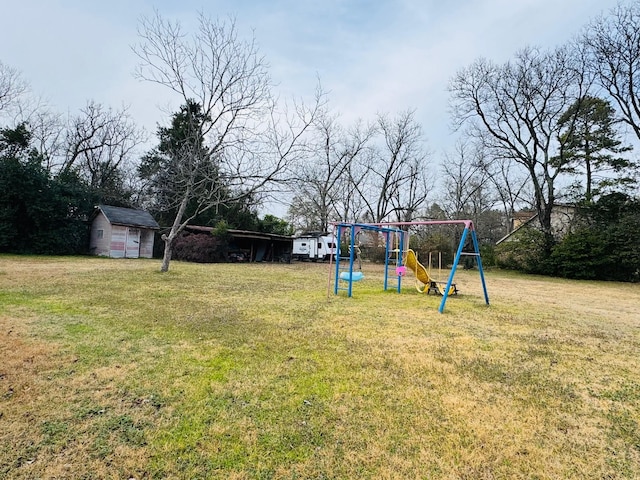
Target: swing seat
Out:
[356,276]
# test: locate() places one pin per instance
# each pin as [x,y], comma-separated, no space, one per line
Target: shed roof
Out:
[129,217]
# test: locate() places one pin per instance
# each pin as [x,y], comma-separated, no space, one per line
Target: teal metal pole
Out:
[351,257]
[453,269]
[479,259]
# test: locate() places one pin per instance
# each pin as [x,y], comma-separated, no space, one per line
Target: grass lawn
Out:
[110,369]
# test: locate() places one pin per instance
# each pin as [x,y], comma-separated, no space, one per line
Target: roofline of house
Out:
[522,225]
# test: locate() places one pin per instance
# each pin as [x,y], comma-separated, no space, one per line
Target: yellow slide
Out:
[422,276]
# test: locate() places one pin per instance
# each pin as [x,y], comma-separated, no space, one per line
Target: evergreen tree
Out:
[39,213]
[605,247]
[182,165]
[590,144]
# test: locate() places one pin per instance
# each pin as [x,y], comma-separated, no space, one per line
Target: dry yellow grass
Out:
[112,370]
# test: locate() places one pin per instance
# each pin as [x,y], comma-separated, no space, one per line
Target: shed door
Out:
[132,249]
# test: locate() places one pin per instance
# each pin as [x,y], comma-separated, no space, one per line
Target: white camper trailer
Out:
[314,246]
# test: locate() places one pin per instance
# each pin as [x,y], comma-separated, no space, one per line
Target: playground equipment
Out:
[354,277]
[344,277]
[344,270]
[424,282]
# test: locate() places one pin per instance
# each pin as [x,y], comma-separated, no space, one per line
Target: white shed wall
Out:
[146,243]
[99,244]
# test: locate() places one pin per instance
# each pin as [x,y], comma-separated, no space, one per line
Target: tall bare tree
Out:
[323,178]
[19,106]
[397,183]
[243,133]
[466,182]
[509,181]
[353,205]
[514,110]
[49,133]
[101,145]
[613,42]
[510,184]
[12,87]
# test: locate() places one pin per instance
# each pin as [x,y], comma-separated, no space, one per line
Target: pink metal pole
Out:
[467,223]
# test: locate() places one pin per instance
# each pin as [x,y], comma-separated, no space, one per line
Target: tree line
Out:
[555,117]
[543,128]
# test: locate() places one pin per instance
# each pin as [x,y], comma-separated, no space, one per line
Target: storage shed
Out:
[120,232]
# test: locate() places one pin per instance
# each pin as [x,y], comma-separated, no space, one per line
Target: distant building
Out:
[520,218]
[119,232]
[562,217]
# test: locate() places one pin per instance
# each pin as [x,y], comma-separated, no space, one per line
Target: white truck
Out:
[314,247]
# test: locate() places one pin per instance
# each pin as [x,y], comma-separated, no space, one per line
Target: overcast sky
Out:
[371,56]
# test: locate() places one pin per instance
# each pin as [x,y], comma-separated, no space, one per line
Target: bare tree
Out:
[511,185]
[100,144]
[20,106]
[353,204]
[466,182]
[514,109]
[48,136]
[322,182]
[509,181]
[303,212]
[12,87]
[248,144]
[398,182]
[96,143]
[613,42]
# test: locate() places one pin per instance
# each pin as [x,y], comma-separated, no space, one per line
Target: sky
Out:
[371,56]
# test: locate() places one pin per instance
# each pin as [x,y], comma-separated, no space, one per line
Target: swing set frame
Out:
[395,228]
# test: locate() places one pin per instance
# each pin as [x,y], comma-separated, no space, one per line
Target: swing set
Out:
[400,258]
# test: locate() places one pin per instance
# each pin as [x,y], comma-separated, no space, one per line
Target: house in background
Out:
[122,232]
[562,217]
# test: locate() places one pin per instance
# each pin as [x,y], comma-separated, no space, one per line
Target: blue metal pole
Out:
[477,249]
[351,257]
[453,269]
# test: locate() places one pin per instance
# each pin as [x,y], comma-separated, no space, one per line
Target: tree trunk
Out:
[588,195]
[166,258]
[176,228]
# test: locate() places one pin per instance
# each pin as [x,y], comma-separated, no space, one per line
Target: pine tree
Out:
[590,145]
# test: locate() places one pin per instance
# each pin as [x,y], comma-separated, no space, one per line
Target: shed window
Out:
[100,233]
